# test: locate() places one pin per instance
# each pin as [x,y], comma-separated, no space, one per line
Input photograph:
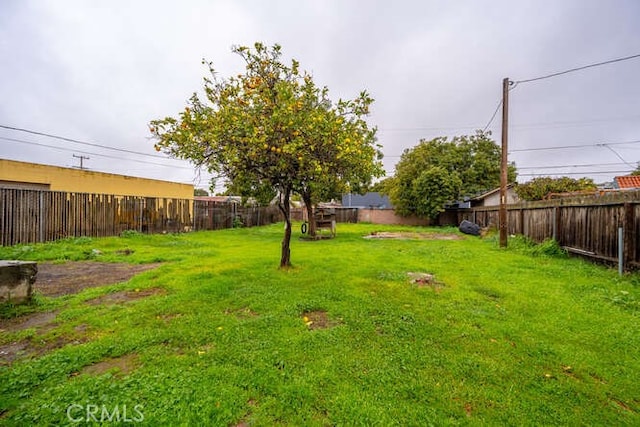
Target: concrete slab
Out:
[16,280]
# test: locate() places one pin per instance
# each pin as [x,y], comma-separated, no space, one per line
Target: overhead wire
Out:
[493,116]
[77,141]
[572,166]
[616,153]
[609,172]
[566,147]
[584,67]
[21,141]
[107,156]
[523,126]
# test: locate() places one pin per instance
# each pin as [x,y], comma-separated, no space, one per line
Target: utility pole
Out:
[81,159]
[504,165]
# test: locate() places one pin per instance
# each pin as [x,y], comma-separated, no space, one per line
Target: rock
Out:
[468,227]
[421,278]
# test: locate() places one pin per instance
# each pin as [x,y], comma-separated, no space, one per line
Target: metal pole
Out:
[504,165]
[620,250]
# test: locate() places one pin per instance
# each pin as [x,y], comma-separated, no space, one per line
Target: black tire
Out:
[303,228]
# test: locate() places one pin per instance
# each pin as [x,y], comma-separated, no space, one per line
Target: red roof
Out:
[631,181]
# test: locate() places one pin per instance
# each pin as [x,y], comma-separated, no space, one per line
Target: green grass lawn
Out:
[224,337]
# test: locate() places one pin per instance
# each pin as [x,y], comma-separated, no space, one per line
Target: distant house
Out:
[219,199]
[372,200]
[492,198]
[629,182]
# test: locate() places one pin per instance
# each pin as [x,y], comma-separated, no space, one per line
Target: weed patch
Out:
[318,319]
[121,366]
[125,296]
[218,335]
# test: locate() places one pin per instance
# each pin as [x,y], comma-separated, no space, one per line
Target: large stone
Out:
[468,227]
[16,280]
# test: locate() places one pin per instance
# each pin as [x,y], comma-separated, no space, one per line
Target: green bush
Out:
[130,233]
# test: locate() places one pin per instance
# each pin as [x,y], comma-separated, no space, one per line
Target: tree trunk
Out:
[285,208]
[306,198]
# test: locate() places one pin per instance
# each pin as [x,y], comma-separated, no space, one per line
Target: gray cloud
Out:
[100,71]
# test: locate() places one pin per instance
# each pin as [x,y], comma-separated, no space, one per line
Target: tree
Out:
[440,170]
[636,171]
[433,188]
[272,127]
[382,186]
[539,188]
[200,192]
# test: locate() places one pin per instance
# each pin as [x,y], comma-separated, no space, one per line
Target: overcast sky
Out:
[99,71]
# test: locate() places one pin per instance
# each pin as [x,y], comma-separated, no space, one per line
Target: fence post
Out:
[141,210]
[629,235]
[41,218]
[555,224]
[620,250]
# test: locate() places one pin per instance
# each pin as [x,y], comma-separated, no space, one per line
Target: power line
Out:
[128,170]
[579,173]
[561,147]
[572,122]
[565,147]
[426,129]
[493,116]
[573,166]
[514,126]
[597,64]
[21,141]
[616,153]
[76,141]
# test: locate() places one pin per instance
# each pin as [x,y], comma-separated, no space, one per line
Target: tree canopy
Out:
[540,187]
[272,128]
[440,170]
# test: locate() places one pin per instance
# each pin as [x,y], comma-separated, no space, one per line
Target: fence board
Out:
[586,227]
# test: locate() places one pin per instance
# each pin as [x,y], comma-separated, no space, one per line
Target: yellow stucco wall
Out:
[83,181]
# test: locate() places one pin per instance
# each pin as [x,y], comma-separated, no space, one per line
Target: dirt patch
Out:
[241,313]
[318,319]
[408,235]
[33,347]
[12,351]
[124,296]
[72,277]
[43,322]
[64,279]
[123,365]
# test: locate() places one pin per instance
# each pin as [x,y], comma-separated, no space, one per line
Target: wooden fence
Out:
[342,214]
[30,216]
[588,227]
[210,215]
